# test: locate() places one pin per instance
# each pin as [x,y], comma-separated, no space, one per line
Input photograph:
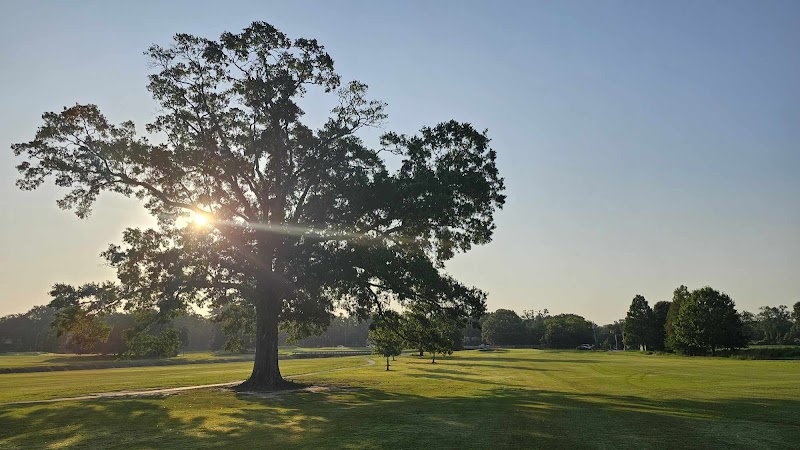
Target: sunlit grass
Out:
[44,385]
[509,399]
[19,360]
[59,360]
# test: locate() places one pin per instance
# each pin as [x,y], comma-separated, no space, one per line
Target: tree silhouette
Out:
[291,221]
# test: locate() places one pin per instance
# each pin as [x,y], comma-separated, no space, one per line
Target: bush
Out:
[764,353]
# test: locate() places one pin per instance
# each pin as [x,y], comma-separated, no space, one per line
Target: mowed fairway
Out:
[511,399]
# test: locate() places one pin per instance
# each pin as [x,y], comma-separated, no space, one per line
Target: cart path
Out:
[168,391]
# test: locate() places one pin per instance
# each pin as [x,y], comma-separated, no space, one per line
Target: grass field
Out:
[15,362]
[58,360]
[500,399]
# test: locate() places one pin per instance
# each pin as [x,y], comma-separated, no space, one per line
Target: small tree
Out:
[441,337]
[384,340]
[639,324]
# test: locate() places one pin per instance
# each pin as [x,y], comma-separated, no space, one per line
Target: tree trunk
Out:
[387,363]
[266,373]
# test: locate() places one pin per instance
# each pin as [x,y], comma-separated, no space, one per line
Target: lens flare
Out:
[200,220]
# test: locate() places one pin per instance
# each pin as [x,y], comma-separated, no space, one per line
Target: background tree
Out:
[343,330]
[751,329]
[83,331]
[567,331]
[775,323]
[472,333]
[152,344]
[299,220]
[610,335]
[200,330]
[415,328]
[660,313]
[443,337]
[534,325]
[707,321]
[680,295]
[429,331]
[30,332]
[503,327]
[639,325]
[795,330]
[385,340]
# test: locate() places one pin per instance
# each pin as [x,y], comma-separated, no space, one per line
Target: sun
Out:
[200,219]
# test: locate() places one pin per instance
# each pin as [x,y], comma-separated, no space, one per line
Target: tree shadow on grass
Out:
[81,359]
[527,360]
[373,418]
[465,376]
[466,365]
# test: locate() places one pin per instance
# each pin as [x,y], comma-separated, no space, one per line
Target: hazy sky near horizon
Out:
[644,144]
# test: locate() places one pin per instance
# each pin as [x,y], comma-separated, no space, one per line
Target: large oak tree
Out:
[301,220]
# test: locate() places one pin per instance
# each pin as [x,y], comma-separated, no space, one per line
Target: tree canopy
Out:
[679,296]
[660,313]
[503,327]
[567,331]
[385,340]
[708,320]
[299,220]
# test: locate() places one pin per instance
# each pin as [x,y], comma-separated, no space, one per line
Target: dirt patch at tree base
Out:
[312,389]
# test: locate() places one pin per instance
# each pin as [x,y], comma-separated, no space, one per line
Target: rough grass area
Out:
[500,399]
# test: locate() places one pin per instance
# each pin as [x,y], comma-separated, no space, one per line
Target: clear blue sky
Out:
[644,144]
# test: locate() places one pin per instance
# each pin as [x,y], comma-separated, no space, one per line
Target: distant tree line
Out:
[128,334]
[696,322]
[704,321]
[44,329]
[536,328]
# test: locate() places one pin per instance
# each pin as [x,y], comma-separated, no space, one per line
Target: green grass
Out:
[33,360]
[16,387]
[14,362]
[501,399]
[292,350]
